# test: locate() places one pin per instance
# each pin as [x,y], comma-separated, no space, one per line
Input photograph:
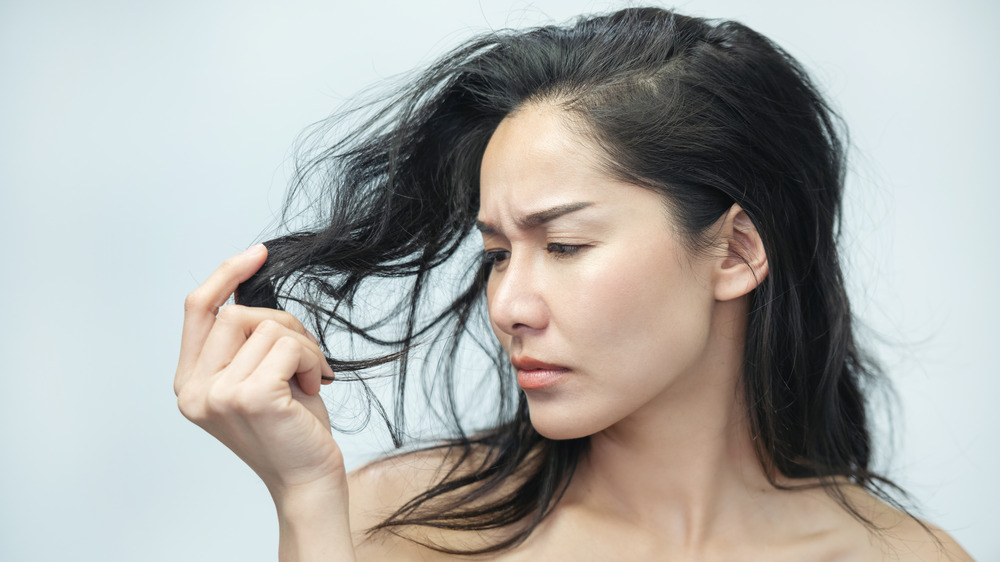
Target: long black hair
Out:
[707,113]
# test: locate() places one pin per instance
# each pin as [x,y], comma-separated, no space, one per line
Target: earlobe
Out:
[744,265]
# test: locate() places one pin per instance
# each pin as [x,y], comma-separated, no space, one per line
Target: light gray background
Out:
[143,142]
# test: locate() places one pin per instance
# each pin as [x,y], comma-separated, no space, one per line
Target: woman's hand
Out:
[251,377]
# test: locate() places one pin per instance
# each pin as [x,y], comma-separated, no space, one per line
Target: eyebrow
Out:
[536,219]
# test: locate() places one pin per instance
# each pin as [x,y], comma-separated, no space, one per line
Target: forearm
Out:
[314,525]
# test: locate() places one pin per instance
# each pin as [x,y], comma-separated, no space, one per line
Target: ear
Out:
[744,266]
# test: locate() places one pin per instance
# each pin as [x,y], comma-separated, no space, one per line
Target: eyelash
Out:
[563,250]
[493,257]
[559,251]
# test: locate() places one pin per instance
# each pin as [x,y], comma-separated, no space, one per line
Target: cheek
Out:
[638,306]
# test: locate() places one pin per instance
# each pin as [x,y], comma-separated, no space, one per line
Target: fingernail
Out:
[253,250]
[311,336]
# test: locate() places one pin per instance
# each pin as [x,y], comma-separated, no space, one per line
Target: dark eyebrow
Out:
[539,218]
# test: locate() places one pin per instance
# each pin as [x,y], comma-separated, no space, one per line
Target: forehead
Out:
[536,160]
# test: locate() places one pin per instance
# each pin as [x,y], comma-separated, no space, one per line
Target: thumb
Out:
[201,306]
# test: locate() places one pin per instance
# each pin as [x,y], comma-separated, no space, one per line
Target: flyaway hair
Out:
[706,113]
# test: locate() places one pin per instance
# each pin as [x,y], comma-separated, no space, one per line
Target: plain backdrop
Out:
[141,143]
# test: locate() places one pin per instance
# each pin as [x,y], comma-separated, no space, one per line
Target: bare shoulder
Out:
[903,537]
[380,488]
[920,540]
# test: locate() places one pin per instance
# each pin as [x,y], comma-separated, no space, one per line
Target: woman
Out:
[658,199]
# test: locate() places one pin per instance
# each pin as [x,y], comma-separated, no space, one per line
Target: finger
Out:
[236,323]
[314,403]
[201,306]
[329,376]
[260,343]
[286,359]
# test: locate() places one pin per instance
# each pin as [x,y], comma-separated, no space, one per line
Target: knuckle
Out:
[288,342]
[180,381]
[196,300]
[231,313]
[190,404]
[270,326]
[247,402]
[219,398]
[230,263]
[288,345]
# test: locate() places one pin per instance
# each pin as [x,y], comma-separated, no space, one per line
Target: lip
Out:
[533,374]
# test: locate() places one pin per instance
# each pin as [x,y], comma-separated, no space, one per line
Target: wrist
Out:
[313,523]
[331,490]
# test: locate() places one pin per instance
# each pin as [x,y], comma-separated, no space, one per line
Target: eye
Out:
[495,257]
[563,250]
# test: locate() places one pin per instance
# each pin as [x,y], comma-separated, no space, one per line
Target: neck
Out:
[684,464]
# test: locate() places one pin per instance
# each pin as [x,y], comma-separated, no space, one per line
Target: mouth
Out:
[533,374]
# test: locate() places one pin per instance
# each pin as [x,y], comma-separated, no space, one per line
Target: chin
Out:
[559,428]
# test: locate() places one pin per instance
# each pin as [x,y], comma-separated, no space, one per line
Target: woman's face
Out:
[592,294]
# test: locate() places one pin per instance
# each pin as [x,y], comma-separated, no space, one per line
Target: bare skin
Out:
[671,473]
[793,526]
[251,378]
[642,344]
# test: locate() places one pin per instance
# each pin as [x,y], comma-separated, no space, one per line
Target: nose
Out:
[515,299]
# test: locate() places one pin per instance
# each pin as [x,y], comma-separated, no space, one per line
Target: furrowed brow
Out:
[541,217]
[534,220]
[485,228]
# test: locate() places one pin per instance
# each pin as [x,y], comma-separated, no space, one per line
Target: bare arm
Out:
[313,526]
[251,377]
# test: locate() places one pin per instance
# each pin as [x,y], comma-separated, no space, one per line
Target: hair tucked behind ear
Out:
[707,113]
